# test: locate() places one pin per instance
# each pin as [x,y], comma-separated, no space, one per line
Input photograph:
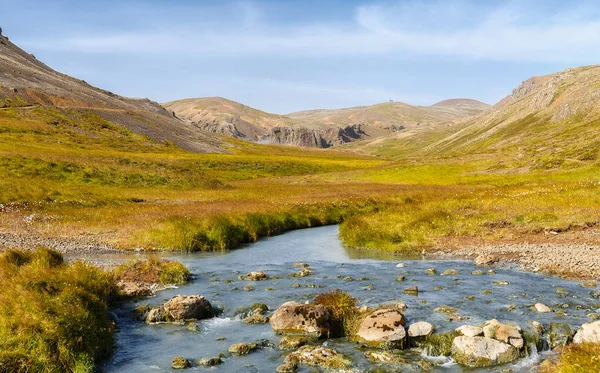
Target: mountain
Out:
[27,82]
[316,128]
[547,121]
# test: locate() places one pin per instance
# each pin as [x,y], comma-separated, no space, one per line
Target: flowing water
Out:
[150,348]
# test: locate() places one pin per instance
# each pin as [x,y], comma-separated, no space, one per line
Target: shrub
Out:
[53,315]
[154,271]
[343,309]
[577,358]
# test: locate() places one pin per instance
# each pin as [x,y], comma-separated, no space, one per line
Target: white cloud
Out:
[464,30]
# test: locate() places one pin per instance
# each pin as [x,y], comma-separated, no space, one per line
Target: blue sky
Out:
[283,56]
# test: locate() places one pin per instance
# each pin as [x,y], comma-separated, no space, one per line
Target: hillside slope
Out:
[547,121]
[316,128]
[27,82]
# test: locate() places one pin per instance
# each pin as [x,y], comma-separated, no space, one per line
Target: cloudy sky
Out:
[282,56]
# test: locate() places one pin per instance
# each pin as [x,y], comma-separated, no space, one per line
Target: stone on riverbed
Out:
[210,362]
[479,352]
[431,271]
[292,342]
[181,308]
[254,276]
[589,332]
[318,356]
[559,334]
[450,272]
[180,363]
[295,318]
[384,357]
[384,328]
[240,349]
[542,308]
[412,290]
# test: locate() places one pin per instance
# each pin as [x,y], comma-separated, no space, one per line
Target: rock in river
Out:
[181,308]
[478,352]
[317,356]
[384,328]
[295,318]
[254,276]
[542,308]
[418,331]
[589,332]
[485,260]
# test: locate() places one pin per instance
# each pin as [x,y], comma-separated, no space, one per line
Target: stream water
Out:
[150,348]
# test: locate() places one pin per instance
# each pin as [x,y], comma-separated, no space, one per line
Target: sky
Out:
[284,56]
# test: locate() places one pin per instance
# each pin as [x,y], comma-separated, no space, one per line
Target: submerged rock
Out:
[431,271]
[559,334]
[384,357]
[292,342]
[318,356]
[180,363]
[384,328]
[479,352]
[256,317]
[295,318]
[589,332]
[210,361]
[412,290]
[181,308]
[477,272]
[254,276]
[449,272]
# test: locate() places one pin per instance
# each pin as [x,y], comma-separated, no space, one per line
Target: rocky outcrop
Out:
[589,332]
[302,319]
[383,328]
[479,352]
[181,308]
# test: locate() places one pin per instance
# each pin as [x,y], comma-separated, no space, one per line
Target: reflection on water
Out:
[150,348]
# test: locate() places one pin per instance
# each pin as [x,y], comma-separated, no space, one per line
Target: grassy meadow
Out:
[69,172]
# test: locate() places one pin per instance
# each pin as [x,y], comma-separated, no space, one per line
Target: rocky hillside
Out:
[546,122]
[549,121]
[27,82]
[316,128]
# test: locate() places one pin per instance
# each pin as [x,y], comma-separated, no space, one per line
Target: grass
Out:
[576,358]
[54,315]
[343,309]
[154,271]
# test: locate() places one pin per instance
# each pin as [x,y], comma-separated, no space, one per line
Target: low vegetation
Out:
[154,271]
[53,315]
[343,308]
[576,358]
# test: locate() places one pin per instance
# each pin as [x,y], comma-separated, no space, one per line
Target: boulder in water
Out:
[181,308]
[559,334]
[418,331]
[477,352]
[292,342]
[254,276]
[318,356]
[295,318]
[384,328]
[589,332]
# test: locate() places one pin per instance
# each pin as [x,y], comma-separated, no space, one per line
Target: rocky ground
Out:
[578,261]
